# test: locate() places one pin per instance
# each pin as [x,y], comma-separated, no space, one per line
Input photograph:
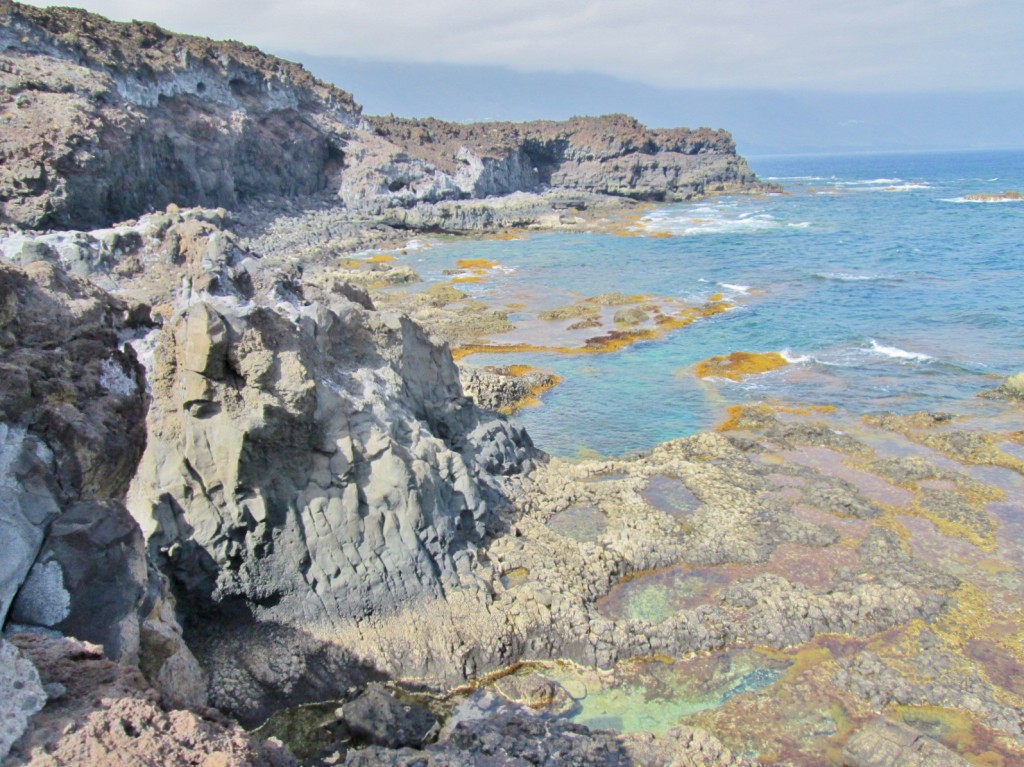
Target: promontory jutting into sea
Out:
[329,439]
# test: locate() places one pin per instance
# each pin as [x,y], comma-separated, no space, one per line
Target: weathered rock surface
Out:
[889,744]
[72,407]
[105,121]
[511,737]
[613,155]
[310,461]
[504,389]
[104,713]
[72,424]
[21,695]
[378,718]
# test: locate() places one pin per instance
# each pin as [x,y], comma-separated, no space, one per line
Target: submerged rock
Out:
[882,743]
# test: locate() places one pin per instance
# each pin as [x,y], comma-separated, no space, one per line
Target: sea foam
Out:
[897,353]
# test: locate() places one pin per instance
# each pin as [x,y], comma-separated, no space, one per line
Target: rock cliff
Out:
[106,121]
[613,155]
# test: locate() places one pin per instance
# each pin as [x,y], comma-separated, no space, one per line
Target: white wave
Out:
[795,359]
[968,201]
[870,182]
[906,187]
[847,277]
[800,225]
[744,289]
[897,353]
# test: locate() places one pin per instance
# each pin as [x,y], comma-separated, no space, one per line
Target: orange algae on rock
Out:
[381,258]
[542,381]
[738,365]
[609,342]
[476,264]
[1009,194]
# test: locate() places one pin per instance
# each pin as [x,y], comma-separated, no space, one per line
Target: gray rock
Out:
[72,411]
[21,695]
[310,462]
[512,737]
[882,743]
[90,579]
[376,717]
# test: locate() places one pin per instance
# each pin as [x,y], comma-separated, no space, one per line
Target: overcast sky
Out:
[833,45]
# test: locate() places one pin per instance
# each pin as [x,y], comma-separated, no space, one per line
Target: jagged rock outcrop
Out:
[105,714]
[106,121]
[72,429]
[309,461]
[72,407]
[320,464]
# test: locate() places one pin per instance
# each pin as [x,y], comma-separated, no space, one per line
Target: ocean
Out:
[876,276]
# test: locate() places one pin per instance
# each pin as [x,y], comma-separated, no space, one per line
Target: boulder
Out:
[90,579]
[377,718]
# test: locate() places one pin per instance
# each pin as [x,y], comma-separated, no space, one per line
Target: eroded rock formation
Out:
[105,121]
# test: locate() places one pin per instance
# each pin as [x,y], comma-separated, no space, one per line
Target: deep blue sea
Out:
[885,288]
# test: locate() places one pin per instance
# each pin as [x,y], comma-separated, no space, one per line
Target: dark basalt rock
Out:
[378,718]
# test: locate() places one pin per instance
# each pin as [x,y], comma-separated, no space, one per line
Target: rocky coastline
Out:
[255,511]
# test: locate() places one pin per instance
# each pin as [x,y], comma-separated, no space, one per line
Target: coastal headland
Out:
[258,507]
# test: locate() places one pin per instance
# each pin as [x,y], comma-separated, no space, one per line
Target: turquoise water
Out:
[884,286]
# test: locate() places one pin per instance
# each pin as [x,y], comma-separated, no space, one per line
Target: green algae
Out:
[655,695]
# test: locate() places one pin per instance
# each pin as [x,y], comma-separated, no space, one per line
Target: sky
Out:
[823,45]
[784,76]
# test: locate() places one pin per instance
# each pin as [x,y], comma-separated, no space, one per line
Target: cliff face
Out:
[104,121]
[613,155]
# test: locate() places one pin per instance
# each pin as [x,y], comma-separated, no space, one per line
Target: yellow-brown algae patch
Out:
[610,342]
[715,297]
[382,258]
[572,311]
[970,614]
[738,365]
[617,299]
[476,264]
[542,381]
[1009,194]
[744,417]
[462,279]
[509,235]
[660,235]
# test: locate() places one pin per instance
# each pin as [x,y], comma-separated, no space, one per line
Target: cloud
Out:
[870,45]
